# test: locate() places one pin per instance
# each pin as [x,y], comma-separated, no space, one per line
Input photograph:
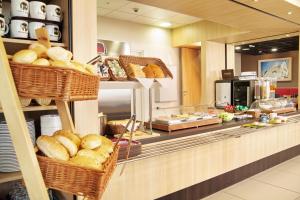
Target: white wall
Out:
[155,42]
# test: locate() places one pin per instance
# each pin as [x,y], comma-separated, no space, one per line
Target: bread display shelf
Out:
[56,83]
[184,125]
[63,176]
[11,176]
[27,41]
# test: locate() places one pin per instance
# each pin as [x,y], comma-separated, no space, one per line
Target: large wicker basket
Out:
[112,76]
[143,61]
[57,83]
[90,183]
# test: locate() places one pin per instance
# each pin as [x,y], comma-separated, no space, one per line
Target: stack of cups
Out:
[50,124]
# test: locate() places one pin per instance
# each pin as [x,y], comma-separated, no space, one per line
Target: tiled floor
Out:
[281,182]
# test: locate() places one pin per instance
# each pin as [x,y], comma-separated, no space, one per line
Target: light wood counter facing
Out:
[168,166]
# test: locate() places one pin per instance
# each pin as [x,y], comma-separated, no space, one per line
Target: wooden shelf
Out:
[10,176]
[36,108]
[24,41]
[122,85]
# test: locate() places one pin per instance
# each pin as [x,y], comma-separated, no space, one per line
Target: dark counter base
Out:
[220,182]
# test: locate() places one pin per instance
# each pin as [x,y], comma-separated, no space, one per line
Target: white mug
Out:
[19,8]
[53,13]
[3,26]
[18,28]
[37,10]
[32,27]
[54,32]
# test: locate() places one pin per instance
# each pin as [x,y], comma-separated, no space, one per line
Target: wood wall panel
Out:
[191,76]
[158,176]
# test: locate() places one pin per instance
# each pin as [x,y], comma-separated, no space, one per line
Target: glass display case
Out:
[272,105]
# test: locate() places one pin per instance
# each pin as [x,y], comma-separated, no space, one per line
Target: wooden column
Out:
[19,131]
[85,48]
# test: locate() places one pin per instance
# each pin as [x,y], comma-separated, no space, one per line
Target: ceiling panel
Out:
[103,11]
[121,15]
[234,14]
[136,8]
[112,4]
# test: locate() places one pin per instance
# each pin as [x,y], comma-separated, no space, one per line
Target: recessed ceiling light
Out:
[290,12]
[245,49]
[274,49]
[251,45]
[259,51]
[287,35]
[165,24]
[237,48]
[255,0]
[294,2]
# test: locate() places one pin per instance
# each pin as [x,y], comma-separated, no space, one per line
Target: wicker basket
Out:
[143,61]
[112,76]
[57,83]
[91,183]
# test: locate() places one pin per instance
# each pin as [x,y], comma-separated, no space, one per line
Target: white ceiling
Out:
[124,10]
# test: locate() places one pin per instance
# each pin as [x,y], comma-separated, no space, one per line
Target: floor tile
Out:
[283,179]
[255,190]
[290,166]
[221,196]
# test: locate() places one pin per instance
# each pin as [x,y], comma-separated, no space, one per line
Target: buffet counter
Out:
[182,162]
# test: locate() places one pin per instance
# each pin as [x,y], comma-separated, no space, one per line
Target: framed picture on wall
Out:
[280,68]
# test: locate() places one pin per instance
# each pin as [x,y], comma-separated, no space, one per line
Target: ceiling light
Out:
[255,0]
[294,2]
[251,45]
[274,49]
[287,35]
[290,12]
[165,24]
[237,48]
[259,51]
[245,49]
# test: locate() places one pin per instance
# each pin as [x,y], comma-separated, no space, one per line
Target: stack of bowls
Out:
[8,159]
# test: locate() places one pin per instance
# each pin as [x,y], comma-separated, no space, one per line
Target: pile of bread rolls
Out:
[38,54]
[90,151]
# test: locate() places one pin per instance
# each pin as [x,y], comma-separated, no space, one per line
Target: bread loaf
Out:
[68,144]
[86,162]
[135,71]
[148,72]
[25,56]
[91,154]
[158,72]
[91,141]
[72,136]
[59,54]
[52,148]
[42,62]
[39,49]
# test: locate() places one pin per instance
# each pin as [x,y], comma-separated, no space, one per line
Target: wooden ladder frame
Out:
[19,132]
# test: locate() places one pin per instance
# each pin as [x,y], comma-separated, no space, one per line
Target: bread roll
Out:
[135,71]
[86,162]
[91,154]
[68,144]
[25,56]
[59,54]
[58,63]
[91,141]
[90,68]
[79,66]
[41,61]
[52,148]
[72,136]
[148,72]
[103,150]
[158,72]
[39,49]
[107,141]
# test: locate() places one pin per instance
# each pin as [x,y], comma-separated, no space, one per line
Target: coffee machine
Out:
[234,92]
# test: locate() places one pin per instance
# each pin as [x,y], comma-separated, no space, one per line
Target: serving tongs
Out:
[133,121]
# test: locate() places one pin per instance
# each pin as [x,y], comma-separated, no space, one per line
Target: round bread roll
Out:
[107,141]
[39,49]
[91,154]
[68,144]
[75,138]
[59,53]
[52,148]
[86,162]
[79,66]
[58,63]
[25,56]
[90,68]
[41,61]
[91,141]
